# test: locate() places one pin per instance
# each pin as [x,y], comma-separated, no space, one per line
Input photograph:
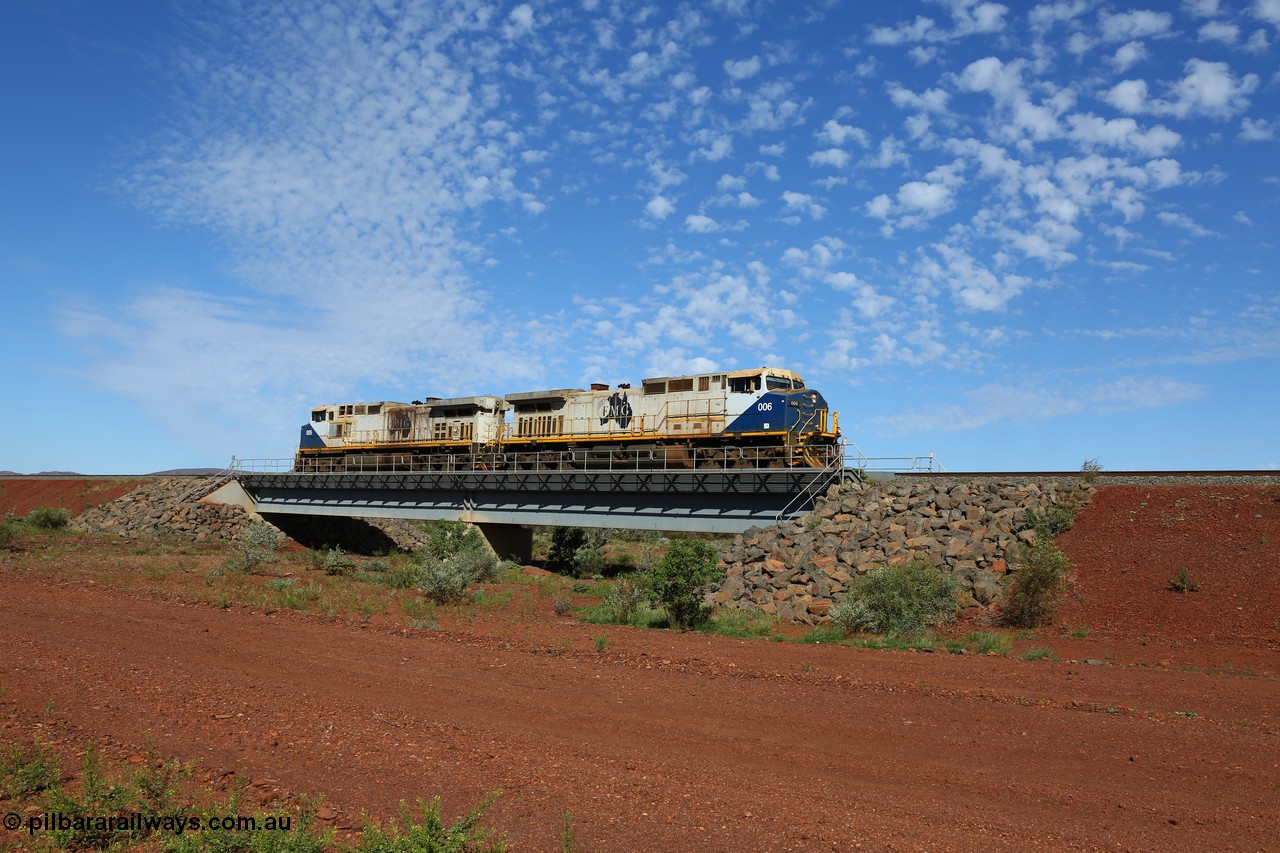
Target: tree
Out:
[679,580]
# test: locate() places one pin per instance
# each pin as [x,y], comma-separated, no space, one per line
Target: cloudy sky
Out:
[1018,237]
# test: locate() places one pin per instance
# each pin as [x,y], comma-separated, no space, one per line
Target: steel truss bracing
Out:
[713,500]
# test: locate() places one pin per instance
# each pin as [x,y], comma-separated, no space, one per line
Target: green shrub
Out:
[405,576]
[1039,584]
[576,551]
[335,561]
[446,580]
[8,532]
[987,642]
[1184,581]
[431,835]
[27,771]
[449,538]
[624,601]
[901,599]
[48,518]
[1038,654]
[256,546]
[588,560]
[376,566]
[1052,520]
[680,579]
[562,606]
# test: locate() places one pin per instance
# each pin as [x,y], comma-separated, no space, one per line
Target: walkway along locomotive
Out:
[760,418]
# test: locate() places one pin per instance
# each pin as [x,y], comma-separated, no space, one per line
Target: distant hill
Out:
[41,474]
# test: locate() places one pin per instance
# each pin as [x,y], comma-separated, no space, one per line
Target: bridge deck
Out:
[713,500]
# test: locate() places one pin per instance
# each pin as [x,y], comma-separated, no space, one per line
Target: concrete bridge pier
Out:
[508,541]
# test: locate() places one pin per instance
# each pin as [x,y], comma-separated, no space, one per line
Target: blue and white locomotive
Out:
[762,417]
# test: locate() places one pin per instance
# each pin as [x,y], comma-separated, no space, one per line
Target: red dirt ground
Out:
[694,742]
[20,495]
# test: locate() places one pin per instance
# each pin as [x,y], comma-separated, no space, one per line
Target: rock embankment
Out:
[173,508]
[167,507]
[800,569]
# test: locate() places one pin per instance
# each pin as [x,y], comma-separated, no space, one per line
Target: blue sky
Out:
[1015,236]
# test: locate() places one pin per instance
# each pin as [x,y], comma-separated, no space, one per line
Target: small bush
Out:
[681,577]
[8,533]
[576,551]
[430,834]
[1038,654]
[588,560]
[335,561]
[1039,584]
[562,606]
[446,580]
[901,599]
[988,642]
[624,601]
[1184,581]
[48,518]
[1050,521]
[450,538]
[379,566]
[256,546]
[27,771]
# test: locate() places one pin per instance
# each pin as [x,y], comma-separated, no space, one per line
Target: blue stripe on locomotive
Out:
[772,409]
[310,438]
[768,409]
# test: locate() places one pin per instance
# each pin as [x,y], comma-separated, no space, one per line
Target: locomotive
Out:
[758,418]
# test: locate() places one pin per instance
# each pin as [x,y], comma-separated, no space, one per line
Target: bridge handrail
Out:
[642,460]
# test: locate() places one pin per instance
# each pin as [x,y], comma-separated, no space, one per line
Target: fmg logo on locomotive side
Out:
[616,408]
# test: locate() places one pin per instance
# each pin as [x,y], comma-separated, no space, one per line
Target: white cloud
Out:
[1219,31]
[867,301]
[696,223]
[968,18]
[971,283]
[803,203]
[1021,403]
[1208,89]
[1186,223]
[930,100]
[890,152]
[1257,42]
[1128,55]
[836,158]
[1243,218]
[1133,25]
[1267,10]
[519,21]
[1201,8]
[1257,130]
[659,208]
[741,69]
[1090,130]
[1046,15]
[837,134]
